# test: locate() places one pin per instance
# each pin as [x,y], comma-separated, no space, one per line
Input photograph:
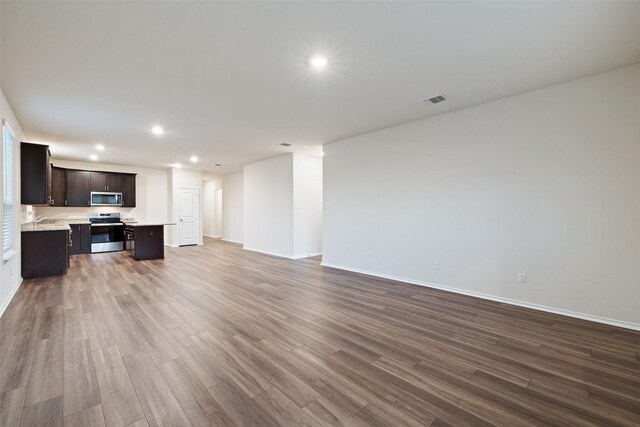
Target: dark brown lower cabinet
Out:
[80,239]
[145,242]
[44,253]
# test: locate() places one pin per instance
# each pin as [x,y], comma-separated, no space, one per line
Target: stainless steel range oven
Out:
[107,232]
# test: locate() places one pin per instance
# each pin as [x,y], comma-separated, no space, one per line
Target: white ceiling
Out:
[230,81]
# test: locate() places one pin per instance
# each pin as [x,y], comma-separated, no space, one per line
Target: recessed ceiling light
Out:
[306,146]
[93,157]
[193,159]
[100,147]
[319,62]
[285,144]
[157,130]
[217,164]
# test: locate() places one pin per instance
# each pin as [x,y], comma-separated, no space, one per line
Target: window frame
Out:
[9,250]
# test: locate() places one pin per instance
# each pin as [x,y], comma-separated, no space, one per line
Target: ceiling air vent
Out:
[286,144]
[435,99]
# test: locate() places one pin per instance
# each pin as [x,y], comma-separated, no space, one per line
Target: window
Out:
[7,193]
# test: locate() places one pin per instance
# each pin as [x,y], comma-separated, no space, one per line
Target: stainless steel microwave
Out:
[100,198]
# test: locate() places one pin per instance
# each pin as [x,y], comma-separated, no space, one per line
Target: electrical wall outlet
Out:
[522,278]
[436,265]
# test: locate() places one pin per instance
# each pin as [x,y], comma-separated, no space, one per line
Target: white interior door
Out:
[189,216]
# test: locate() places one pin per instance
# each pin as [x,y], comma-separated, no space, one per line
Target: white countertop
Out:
[55,224]
[147,223]
[45,227]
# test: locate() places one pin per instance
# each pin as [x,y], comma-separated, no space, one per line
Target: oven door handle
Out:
[110,224]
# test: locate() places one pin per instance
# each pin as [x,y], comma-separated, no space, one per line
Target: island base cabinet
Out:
[145,242]
[44,253]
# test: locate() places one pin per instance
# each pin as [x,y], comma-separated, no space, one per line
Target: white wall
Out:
[283,206]
[545,183]
[182,178]
[11,274]
[268,206]
[233,208]
[151,193]
[307,200]
[210,218]
[219,213]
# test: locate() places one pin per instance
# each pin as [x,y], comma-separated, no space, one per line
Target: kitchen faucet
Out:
[38,220]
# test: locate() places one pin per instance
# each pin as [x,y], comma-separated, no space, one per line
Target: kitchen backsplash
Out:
[75,213]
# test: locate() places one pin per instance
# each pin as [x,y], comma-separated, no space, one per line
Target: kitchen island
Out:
[144,240]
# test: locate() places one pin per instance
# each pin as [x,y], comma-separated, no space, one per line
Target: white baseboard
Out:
[213,237]
[267,253]
[11,295]
[232,241]
[562,312]
[307,255]
[282,255]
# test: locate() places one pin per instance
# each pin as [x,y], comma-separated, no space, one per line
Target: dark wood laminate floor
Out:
[214,335]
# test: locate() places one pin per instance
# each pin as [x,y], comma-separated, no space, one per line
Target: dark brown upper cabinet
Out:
[43,184]
[109,182]
[114,182]
[128,191]
[78,188]
[35,184]
[58,186]
[98,181]
[49,184]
